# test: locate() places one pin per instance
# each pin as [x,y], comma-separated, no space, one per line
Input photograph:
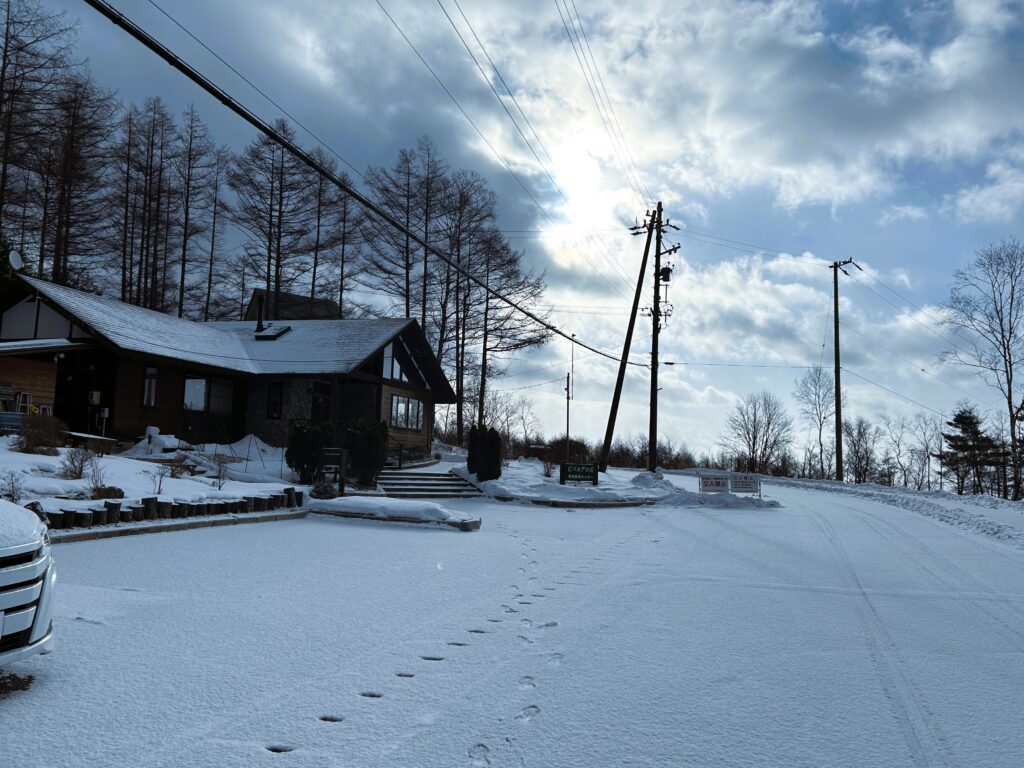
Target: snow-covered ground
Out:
[835,630]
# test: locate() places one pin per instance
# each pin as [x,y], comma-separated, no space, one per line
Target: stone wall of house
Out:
[296,405]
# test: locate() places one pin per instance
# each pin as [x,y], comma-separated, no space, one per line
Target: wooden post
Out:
[83,518]
[125,515]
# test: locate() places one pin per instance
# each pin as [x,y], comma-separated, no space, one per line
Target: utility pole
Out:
[567,392]
[661,275]
[624,360]
[837,267]
[652,434]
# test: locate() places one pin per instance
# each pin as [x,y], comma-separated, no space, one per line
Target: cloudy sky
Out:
[781,136]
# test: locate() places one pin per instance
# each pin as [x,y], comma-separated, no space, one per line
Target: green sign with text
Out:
[577,473]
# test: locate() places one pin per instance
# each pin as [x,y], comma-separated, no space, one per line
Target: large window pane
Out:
[195,394]
[221,396]
[149,387]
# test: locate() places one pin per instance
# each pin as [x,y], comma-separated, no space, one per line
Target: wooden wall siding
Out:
[416,441]
[130,418]
[354,399]
[37,377]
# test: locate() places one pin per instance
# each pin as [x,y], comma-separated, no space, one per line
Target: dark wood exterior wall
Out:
[414,441]
[36,377]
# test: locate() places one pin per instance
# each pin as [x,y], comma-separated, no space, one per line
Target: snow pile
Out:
[155,444]
[674,496]
[524,479]
[450,452]
[18,525]
[385,507]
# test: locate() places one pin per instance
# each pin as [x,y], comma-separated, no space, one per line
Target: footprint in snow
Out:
[453,642]
[528,713]
[509,609]
[436,658]
[548,625]
[526,683]
[554,659]
[278,748]
[371,694]
[331,718]
[495,621]
[526,622]
[524,640]
[477,631]
[478,756]
[548,589]
[87,620]
[404,674]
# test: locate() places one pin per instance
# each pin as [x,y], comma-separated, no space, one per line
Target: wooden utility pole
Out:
[836,267]
[652,434]
[624,360]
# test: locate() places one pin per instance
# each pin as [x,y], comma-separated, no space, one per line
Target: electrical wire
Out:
[122,21]
[891,391]
[256,88]
[530,386]
[522,134]
[483,138]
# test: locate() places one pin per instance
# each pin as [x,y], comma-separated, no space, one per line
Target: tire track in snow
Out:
[937,566]
[925,742]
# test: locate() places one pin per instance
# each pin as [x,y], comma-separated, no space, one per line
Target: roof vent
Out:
[272,332]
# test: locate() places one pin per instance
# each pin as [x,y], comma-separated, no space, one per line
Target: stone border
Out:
[90,534]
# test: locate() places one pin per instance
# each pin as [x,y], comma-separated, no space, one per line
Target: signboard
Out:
[746,484]
[577,473]
[714,483]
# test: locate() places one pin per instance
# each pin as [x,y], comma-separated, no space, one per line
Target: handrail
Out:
[401,448]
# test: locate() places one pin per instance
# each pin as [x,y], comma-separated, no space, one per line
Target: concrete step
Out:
[418,475]
[430,495]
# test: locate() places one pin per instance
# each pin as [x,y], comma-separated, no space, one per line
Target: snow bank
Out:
[939,505]
[18,525]
[385,507]
[155,444]
[524,480]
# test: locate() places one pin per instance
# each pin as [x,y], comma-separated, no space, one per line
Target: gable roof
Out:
[311,347]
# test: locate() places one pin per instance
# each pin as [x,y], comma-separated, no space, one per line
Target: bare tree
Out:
[759,431]
[898,430]
[815,396]
[986,302]
[861,438]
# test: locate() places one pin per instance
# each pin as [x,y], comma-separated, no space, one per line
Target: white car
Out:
[27,581]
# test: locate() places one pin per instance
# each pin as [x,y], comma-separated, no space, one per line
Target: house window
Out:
[195,394]
[392,366]
[275,397]
[406,413]
[221,392]
[149,387]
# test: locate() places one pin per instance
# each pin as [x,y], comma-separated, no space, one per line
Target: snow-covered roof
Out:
[41,345]
[310,347]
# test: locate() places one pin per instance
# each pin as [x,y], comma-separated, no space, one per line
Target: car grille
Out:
[25,593]
[13,560]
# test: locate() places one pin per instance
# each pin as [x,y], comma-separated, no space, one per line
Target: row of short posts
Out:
[151,508]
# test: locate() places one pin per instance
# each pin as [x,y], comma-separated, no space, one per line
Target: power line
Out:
[893,392]
[593,94]
[611,107]
[508,112]
[559,380]
[122,21]
[256,88]
[483,138]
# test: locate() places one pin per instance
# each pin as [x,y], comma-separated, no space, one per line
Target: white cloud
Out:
[895,213]
[1000,199]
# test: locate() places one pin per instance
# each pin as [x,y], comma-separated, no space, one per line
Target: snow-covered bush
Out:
[75,462]
[98,488]
[324,490]
[490,453]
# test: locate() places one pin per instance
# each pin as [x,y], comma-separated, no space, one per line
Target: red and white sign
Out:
[714,483]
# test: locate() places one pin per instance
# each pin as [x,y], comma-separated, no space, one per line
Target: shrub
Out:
[490,449]
[40,434]
[106,492]
[304,444]
[75,462]
[12,485]
[324,490]
[472,449]
[367,443]
[179,466]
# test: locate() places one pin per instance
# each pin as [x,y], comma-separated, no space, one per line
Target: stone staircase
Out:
[408,484]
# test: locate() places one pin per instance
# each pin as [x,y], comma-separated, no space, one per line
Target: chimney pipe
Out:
[259,314]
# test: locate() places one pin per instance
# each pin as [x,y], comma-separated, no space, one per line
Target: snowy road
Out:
[832,631]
